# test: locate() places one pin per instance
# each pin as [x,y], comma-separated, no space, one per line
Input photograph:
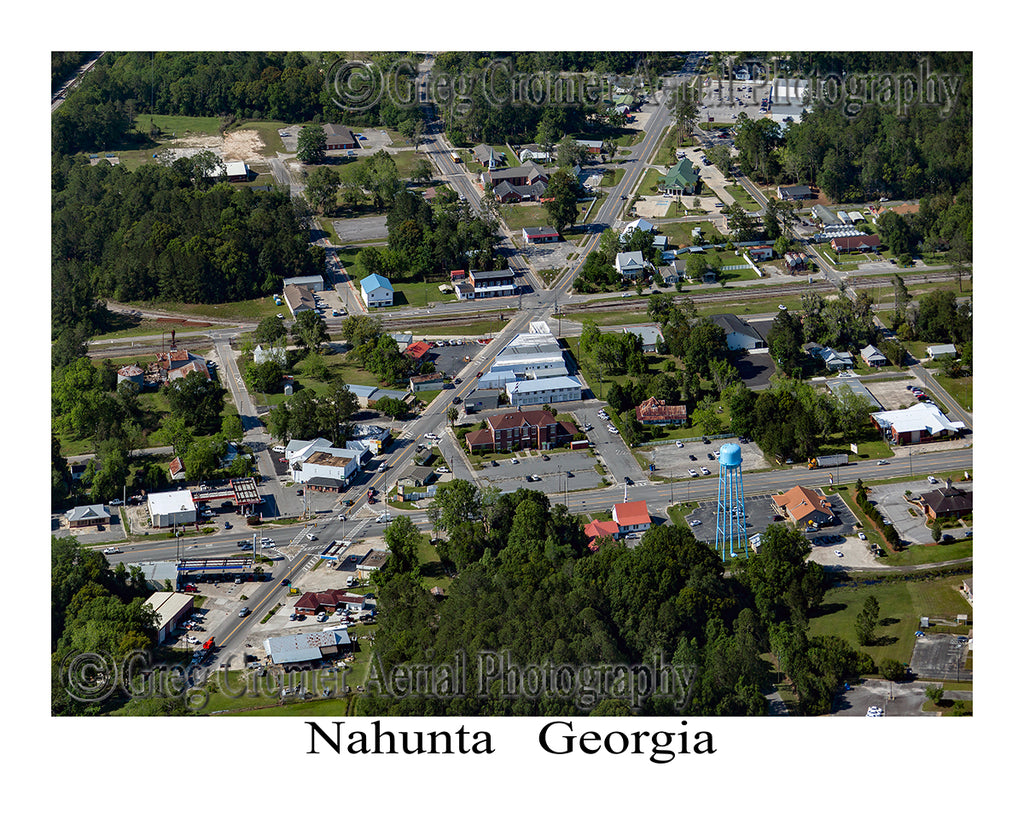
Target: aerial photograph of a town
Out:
[540,384]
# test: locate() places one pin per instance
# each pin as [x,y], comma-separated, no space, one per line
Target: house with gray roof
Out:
[738,334]
[873,357]
[95,515]
[630,265]
[650,335]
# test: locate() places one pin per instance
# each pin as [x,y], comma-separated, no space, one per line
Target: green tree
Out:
[322,187]
[312,144]
[866,621]
[310,330]
[395,407]
[270,331]
[560,200]
[265,377]
[454,502]
[197,401]
[402,539]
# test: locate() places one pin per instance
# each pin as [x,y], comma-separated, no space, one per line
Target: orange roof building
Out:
[600,528]
[802,505]
[631,516]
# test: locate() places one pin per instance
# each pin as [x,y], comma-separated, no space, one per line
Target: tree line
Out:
[164,233]
[526,583]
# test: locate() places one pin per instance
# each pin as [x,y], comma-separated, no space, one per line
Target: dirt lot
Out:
[234,146]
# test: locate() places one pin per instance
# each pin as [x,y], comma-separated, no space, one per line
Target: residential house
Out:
[655,412]
[803,506]
[534,153]
[873,357]
[760,253]
[855,244]
[649,334]
[377,291]
[682,180]
[416,483]
[834,359]
[674,271]
[940,350]
[275,354]
[533,429]
[738,334]
[630,265]
[631,516]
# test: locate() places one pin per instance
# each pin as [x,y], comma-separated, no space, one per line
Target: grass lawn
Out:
[475,329]
[739,193]
[525,214]
[250,310]
[901,602]
[962,389]
[178,126]
[417,294]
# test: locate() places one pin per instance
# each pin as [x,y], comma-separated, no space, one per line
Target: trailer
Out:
[825,461]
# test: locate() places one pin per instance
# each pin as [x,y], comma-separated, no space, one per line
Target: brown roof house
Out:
[657,412]
[803,506]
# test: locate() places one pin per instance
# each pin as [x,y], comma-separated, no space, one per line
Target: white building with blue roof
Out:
[377,291]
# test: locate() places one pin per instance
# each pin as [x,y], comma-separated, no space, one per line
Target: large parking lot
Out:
[669,458]
[560,472]
[452,356]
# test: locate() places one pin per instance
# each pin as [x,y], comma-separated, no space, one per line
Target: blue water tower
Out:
[731,523]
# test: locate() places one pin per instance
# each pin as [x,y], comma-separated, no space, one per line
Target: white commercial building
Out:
[544,391]
[535,354]
[172,508]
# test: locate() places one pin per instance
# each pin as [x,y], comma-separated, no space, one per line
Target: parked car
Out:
[837,553]
[545,458]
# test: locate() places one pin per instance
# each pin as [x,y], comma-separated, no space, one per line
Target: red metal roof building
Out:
[631,516]
[418,349]
[600,528]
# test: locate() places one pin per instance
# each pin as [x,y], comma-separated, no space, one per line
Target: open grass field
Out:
[178,127]
[902,602]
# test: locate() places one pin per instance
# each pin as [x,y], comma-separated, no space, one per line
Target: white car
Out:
[837,553]
[430,436]
[695,522]
[112,550]
[693,473]
[862,536]
[679,444]
[514,461]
